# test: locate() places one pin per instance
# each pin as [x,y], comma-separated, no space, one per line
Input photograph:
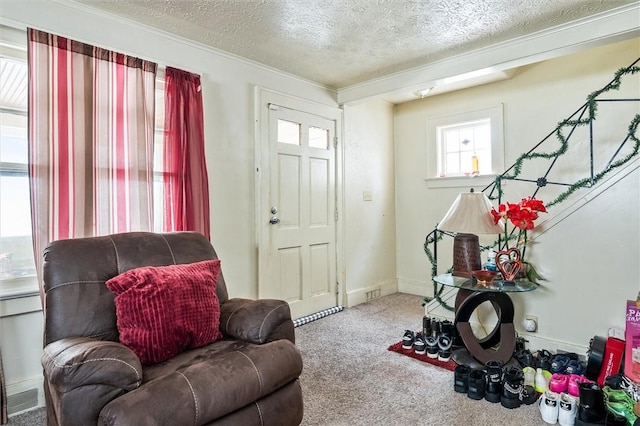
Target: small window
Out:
[464,145]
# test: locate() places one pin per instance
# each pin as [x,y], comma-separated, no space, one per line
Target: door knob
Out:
[274,220]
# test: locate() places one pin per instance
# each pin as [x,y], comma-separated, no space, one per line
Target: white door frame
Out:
[264,97]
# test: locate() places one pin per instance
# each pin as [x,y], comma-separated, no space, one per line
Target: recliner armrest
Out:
[256,321]
[84,374]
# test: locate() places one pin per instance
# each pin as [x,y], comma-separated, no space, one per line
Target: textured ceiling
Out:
[343,42]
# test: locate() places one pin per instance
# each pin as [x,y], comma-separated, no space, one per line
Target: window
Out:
[17,266]
[465,145]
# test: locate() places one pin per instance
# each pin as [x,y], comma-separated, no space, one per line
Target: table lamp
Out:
[469,215]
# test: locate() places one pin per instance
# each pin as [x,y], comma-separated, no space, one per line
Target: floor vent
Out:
[22,401]
[305,320]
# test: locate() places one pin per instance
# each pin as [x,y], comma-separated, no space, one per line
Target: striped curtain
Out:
[91,124]
[186,186]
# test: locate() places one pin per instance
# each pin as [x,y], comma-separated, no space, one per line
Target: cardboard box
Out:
[632,342]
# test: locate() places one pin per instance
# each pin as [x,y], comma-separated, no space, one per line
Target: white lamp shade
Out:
[471,214]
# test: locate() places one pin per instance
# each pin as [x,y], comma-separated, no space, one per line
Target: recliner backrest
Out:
[77,301]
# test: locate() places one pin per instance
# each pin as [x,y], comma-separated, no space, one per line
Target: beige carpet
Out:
[350,378]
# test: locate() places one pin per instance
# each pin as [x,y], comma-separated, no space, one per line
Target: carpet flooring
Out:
[350,378]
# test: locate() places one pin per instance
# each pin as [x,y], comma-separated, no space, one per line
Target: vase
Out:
[509,263]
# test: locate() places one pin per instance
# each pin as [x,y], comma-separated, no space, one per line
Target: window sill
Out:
[19,296]
[460,181]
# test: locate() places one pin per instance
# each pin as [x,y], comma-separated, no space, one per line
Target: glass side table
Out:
[500,343]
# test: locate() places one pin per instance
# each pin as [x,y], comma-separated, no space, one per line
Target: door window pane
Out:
[318,138]
[288,132]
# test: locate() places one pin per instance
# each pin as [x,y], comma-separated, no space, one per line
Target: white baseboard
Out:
[419,288]
[365,294]
[26,385]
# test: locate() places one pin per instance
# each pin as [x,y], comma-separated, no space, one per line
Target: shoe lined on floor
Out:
[529,376]
[621,382]
[524,358]
[426,326]
[574,380]
[559,383]
[408,339]
[543,359]
[432,346]
[493,392]
[567,409]
[419,344]
[461,378]
[559,363]
[444,348]
[548,406]
[512,380]
[620,403]
[542,379]
[477,384]
[574,366]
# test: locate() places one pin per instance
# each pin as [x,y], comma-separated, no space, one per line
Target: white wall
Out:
[228,97]
[590,256]
[370,242]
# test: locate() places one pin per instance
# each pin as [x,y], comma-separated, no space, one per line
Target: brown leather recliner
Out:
[250,377]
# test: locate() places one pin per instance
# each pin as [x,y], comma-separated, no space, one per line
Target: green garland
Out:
[591,105]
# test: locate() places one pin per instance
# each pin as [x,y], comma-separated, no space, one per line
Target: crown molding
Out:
[609,27]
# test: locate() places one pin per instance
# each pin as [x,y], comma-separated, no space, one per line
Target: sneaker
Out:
[419,344]
[444,348]
[572,387]
[477,384]
[543,359]
[619,403]
[559,363]
[432,346]
[408,339]
[461,378]
[567,409]
[621,382]
[574,366]
[529,376]
[493,393]
[542,380]
[548,406]
[559,383]
[524,358]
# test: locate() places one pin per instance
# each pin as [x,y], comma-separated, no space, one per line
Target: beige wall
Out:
[588,250]
[370,242]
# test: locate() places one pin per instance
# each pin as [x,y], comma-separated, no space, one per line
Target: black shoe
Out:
[493,392]
[543,359]
[426,326]
[461,378]
[432,346]
[408,339]
[444,348]
[477,384]
[446,328]
[524,358]
[420,344]
[514,392]
[435,327]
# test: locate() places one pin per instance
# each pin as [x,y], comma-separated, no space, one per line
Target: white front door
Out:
[297,217]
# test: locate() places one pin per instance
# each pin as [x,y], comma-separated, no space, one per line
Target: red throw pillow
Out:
[161,311]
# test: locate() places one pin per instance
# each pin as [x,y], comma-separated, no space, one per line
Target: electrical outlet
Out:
[530,323]
[367,196]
